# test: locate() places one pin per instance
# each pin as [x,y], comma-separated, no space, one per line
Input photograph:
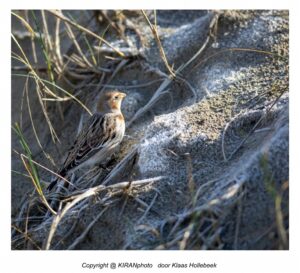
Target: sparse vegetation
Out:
[201,111]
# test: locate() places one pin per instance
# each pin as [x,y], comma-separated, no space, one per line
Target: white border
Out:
[70,261]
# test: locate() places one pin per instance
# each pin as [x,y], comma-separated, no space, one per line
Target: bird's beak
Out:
[123,95]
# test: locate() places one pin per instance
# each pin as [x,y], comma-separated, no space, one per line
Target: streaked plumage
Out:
[99,137]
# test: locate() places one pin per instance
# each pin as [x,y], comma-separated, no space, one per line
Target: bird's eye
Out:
[116,97]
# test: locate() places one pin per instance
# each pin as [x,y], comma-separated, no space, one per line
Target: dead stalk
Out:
[83,29]
[160,47]
[88,193]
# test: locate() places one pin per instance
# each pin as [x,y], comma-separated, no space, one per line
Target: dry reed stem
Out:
[38,83]
[48,156]
[25,23]
[59,59]
[77,46]
[73,200]
[46,33]
[148,208]
[81,28]
[160,47]
[45,168]
[64,91]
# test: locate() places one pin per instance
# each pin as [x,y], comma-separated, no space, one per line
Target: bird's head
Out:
[110,101]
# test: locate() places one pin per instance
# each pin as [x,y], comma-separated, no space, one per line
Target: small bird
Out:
[99,137]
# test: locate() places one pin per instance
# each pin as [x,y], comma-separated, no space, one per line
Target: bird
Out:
[99,137]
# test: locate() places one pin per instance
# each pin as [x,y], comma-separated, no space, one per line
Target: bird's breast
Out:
[120,126]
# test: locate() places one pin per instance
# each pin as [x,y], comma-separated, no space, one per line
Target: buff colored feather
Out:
[99,137]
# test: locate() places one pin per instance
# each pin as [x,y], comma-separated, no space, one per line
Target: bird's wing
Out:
[98,132]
